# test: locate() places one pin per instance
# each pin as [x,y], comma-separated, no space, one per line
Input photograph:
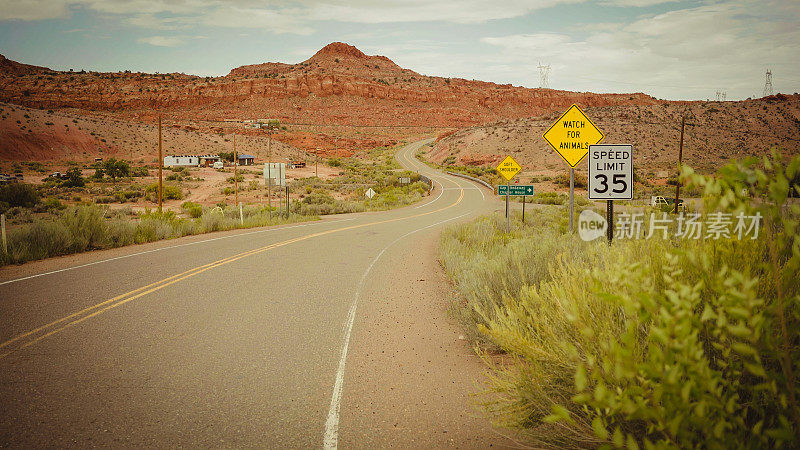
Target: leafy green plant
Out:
[660,343]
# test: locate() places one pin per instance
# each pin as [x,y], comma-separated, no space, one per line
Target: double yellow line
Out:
[33,336]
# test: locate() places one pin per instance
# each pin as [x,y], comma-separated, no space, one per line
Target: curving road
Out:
[331,333]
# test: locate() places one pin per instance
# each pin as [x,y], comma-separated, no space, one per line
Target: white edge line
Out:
[168,248]
[441,191]
[331,436]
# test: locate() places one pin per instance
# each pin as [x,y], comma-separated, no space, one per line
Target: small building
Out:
[181,161]
[208,160]
[246,160]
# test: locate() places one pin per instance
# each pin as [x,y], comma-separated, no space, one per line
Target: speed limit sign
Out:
[610,172]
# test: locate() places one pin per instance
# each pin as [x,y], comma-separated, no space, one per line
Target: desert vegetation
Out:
[656,343]
[72,213]
[91,227]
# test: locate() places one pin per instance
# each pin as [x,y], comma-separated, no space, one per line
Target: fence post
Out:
[3,226]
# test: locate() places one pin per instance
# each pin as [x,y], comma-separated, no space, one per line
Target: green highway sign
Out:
[516,189]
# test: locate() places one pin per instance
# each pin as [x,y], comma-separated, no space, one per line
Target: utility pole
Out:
[160,166]
[235,171]
[270,125]
[269,169]
[680,161]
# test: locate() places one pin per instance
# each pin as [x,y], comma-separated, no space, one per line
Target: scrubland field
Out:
[644,343]
[80,213]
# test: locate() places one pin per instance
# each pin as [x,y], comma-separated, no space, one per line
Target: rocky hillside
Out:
[40,135]
[338,85]
[718,131]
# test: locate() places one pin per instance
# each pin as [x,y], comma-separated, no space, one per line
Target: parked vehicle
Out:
[218,165]
[666,204]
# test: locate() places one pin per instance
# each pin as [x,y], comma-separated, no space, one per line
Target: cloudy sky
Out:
[666,48]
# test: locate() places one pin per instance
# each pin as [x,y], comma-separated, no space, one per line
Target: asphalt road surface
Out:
[330,333]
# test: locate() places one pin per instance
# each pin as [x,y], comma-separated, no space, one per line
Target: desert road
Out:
[325,334]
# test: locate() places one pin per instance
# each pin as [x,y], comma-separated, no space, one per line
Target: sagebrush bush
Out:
[19,194]
[83,228]
[675,343]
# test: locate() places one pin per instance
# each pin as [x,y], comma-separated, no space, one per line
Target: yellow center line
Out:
[152,287]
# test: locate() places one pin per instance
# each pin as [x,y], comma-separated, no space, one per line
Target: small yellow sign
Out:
[572,134]
[508,168]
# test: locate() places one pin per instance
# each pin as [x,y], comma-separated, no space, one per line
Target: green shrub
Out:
[318,198]
[74,178]
[139,172]
[53,204]
[563,180]
[675,343]
[19,194]
[193,209]
[172,192]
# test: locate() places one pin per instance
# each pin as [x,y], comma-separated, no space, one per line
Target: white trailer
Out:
[181,161]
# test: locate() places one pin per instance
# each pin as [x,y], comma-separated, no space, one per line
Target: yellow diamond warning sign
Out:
[572,134]
[508,168]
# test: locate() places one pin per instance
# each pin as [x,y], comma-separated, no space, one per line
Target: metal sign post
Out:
[370,193]
[571,199]
[570,136]
[610,177]
[508,219]
[508,169]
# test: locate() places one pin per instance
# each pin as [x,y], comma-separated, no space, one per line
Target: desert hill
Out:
[10,67]
[30,134]
[338,85]
[341,100]
[721,131]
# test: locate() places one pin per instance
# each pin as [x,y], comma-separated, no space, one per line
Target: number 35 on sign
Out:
[610,172]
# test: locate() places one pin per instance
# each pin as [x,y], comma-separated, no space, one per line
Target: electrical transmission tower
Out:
[544,73]
[768,84]
[722,94]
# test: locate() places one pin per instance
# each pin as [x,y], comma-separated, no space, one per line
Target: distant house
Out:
[181,161]
[208,160]
[246,160]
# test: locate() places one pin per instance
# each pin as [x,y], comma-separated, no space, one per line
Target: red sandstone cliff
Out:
[338,85]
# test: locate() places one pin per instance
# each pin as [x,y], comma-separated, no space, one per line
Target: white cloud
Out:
[686,53]
[636,3]
[33,9]
[458,11]
[281,16]
[163,41]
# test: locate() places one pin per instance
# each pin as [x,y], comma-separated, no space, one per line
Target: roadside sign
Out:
[275,172]
[508,168]
[404,180]
[572,134]
[515,189]
[370,193]
[610,172]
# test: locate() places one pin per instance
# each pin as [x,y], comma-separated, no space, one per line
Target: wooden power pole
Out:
[160,166]
[235,171]
[680,161]
[269,169]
